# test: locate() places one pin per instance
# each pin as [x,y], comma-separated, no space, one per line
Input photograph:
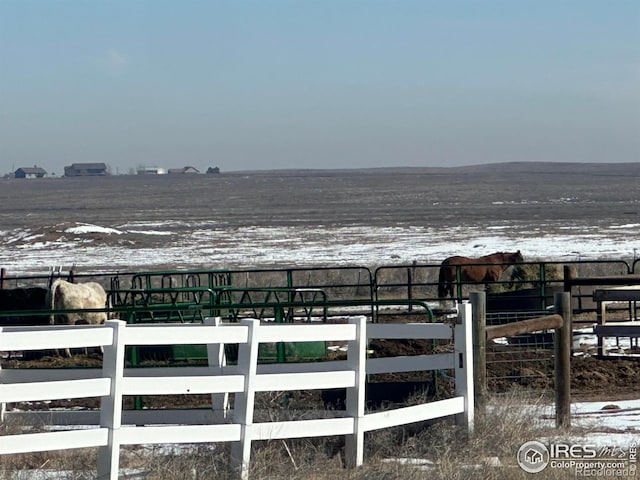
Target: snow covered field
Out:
[319,218]
[157,244]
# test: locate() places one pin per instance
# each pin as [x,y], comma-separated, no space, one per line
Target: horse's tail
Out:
[443,281]
[51,301]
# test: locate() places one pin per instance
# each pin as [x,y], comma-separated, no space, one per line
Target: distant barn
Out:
[85,170]
[183,170]
[30,172]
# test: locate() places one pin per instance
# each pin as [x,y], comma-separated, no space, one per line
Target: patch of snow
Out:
[87,228]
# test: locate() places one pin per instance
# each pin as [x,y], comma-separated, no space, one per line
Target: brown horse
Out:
[476,270]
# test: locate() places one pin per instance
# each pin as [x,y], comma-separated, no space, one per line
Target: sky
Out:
[271,84]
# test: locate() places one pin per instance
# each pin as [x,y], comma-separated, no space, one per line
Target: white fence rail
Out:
[113,427]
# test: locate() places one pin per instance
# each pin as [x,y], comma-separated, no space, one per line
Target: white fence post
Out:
[217,361]
[3,405]
[355,407]
[463,348]
[111,408]
[244,401]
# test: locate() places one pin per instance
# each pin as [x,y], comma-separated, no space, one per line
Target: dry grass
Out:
[77,460]
[437,450]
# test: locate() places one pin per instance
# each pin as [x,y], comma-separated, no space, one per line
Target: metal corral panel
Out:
[267,353]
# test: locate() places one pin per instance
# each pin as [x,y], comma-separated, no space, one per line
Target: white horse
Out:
[64,295]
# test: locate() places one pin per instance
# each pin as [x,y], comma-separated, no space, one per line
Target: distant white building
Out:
[151,171]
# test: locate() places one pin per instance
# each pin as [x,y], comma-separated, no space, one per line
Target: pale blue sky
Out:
[270,84]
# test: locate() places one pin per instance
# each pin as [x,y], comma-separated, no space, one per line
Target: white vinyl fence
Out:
[111,427]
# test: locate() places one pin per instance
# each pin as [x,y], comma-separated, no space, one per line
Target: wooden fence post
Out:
[479,321]
[355,401]
[563,341]
[569,273]
[410,287]
[111,408]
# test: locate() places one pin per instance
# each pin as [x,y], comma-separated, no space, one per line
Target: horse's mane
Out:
[502,254]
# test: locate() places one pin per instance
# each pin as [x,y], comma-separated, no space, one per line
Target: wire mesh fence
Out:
[524,360]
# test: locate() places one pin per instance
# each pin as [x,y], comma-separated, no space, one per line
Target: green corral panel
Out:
[293,351]
[189,352]
[267,352]
[306,350]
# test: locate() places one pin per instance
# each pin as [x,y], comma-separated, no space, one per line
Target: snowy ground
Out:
[324,218]
[156,244]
